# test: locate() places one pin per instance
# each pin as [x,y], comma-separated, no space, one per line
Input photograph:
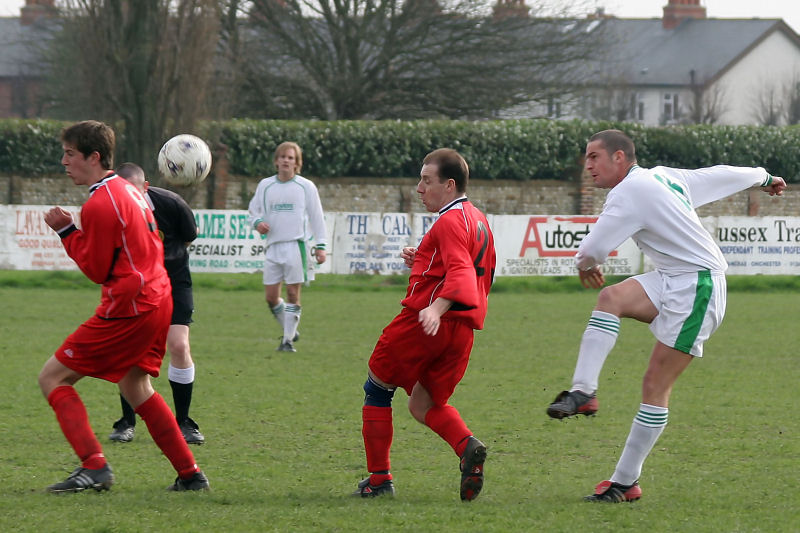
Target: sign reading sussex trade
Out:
[371,243]
[758,245]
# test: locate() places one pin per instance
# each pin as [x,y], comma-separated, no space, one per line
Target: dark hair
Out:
[614,140]
[92,136]
[451,165]
[132,173]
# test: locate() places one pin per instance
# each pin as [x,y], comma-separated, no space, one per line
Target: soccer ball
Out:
[184,160]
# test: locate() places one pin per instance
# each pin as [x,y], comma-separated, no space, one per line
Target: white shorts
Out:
[690,307]
[288,262]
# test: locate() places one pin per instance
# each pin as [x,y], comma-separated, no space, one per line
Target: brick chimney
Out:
[676,11]
[33,10]
[510,8]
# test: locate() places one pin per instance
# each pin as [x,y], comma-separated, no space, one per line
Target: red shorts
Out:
[405,355]
[107,349]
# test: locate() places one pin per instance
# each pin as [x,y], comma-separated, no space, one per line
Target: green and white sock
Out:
[648,425]
[598,341]
[291,321]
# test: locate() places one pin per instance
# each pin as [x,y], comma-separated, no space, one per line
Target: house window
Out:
[637,107]
[553,107]
[670,109]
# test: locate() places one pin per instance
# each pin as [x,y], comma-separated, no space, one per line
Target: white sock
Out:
[181,375]
[648,425]
[290,321]
[598,340]
[278,312]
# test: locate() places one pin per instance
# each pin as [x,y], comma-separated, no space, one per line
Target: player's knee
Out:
[377,395]
[45,382]
[418,411]
[606,296]
[179,350]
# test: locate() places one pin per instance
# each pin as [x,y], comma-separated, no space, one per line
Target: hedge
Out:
[509,149]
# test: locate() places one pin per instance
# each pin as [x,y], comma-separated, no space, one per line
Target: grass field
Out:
[284,446]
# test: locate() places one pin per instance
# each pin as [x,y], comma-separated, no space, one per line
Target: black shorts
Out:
[182,301]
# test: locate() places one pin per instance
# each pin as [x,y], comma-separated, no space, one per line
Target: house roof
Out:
[648,54]
[20,47]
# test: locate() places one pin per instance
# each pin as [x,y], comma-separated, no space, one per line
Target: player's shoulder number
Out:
[675,188]
[483,238]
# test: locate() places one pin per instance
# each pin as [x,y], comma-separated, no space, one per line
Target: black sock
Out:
[127,411]
[182,396]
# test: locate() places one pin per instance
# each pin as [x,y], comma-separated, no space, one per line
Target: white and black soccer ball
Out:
[184,160]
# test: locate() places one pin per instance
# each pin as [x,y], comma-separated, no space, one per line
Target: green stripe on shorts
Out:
[304,258]
[691,327]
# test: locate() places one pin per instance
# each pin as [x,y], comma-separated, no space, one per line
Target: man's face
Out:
[286,162]
[604,168]
[434,193]
[79,168]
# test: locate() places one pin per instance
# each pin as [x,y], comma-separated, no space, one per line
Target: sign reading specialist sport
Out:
[226,242]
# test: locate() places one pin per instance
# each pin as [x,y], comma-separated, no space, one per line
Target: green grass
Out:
[283,430]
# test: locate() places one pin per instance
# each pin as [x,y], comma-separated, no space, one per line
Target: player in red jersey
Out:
[117,246]
[425,349]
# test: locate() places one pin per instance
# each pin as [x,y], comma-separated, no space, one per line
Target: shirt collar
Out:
[452,204]
[107,177]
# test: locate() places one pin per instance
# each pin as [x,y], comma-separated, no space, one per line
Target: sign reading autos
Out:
[546,246]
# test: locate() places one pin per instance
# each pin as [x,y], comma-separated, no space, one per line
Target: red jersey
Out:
[455,260]
[118,246]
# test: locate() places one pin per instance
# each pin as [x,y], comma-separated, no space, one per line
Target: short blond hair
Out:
[298,154]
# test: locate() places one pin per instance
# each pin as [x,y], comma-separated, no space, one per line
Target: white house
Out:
[685,67]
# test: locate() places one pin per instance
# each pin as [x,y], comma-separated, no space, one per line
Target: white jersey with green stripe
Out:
[656,208]
[292,209]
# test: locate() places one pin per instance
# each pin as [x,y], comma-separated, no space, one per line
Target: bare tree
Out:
[708,104]
[793,100]
[618,103]
[769,107]
[141,64]
[340,59]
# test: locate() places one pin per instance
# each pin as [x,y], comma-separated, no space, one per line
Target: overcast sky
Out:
[788,10]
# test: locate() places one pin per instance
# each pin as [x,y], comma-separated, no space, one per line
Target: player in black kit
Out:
[177,228]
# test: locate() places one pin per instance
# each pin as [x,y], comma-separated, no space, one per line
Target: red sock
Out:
[74,421]
[447,423]
[165,432]
[377,430]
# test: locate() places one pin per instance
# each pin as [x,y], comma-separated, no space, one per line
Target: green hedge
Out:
[509,149]
[30,147]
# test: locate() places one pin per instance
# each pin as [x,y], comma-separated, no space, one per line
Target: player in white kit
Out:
[286,209]
[683,299]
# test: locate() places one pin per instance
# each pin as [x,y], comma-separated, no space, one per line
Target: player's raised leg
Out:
[626,299]
[446,422]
